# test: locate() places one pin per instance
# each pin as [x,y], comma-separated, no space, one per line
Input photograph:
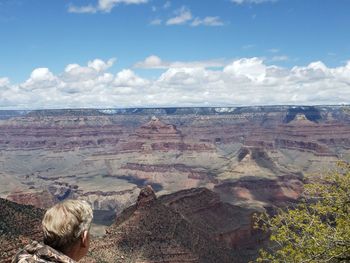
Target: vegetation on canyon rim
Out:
[317,229]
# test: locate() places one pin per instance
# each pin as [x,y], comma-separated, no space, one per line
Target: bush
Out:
[315,230]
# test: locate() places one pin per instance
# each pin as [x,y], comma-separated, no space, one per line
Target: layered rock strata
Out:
[105,156]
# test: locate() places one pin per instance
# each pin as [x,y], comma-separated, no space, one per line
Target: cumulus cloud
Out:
[245,81]
[151,62]
[94,69]
[4,82]
[100,65]
[40,78]
[253,69]
[127,78]
[41,74]
[155,62]
[102,6]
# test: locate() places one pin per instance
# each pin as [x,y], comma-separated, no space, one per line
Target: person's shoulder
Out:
[36,252]
[23,257]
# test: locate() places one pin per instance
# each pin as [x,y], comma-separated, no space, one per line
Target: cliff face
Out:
[231,225]
[64,133]
[106,156]
[267,192]
[188,226]
[67,130]
[40,199]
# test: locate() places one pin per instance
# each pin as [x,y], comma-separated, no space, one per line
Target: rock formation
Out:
[188,226]
[261,191]
[19,224]
[37,198]
[146,197]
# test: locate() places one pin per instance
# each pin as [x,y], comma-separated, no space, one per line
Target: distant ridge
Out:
[312,112]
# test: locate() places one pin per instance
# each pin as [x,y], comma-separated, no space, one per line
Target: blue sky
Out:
[180,36]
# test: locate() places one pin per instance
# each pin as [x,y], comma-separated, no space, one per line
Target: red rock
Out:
[270,191]
[146,196]
[39,198]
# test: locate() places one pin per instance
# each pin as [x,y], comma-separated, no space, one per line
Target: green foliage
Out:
[315,230]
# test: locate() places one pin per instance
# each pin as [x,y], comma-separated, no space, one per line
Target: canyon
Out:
[211,166]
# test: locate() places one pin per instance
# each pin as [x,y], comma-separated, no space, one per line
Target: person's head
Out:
[66,227]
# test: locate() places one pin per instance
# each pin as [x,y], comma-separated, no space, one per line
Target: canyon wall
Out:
[206,165]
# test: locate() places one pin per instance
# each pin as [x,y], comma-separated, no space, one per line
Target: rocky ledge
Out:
[188,226]
[19,224]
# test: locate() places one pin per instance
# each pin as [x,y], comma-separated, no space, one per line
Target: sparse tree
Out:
[315,230]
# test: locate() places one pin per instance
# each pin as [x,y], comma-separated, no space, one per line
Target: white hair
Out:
[64,223]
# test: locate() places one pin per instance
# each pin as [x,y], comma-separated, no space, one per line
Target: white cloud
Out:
[252,68]
[76,73]
[207,21]
[182,16]
[102,6]
[100,65]
[151,62]
[252,1]
[107,5]
[127,78]
[41,74]
[4,82]
[40,78]
[155,62]
[245,81]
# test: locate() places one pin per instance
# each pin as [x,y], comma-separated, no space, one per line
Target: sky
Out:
[167,53]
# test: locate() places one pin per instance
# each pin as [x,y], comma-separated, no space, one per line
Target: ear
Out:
[85,239]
